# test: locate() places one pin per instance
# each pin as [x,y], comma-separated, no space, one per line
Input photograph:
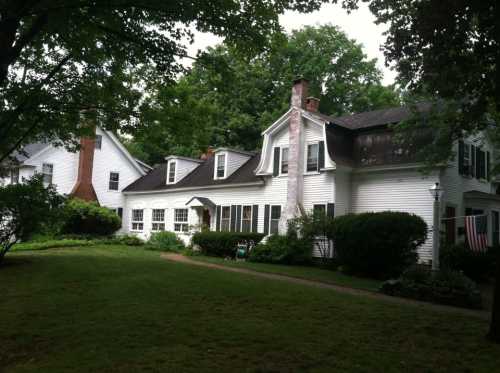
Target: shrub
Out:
[318,229]
[222,244]
[50,244]
[444,287]
[378,244]
[123,239]
[283,250]
[88,218]
[165,241]
[479,266]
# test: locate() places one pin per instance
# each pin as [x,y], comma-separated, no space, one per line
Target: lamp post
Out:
[436,193]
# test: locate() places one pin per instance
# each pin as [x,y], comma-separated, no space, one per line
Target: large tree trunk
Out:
[494,333]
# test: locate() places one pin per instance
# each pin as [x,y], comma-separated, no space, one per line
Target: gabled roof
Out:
[201,176]
[28,151]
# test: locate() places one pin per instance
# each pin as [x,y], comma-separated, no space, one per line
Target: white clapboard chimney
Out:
[295,179]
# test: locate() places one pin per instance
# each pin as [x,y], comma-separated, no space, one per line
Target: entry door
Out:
[206,219]
[495,219]
[450,225]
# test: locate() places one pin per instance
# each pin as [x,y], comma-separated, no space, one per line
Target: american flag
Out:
[476,229]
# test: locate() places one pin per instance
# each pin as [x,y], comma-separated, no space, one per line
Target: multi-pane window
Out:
[221,166]
[98,142]
[319,210]
[467,159]
[473,161]
[312,157]
[47,172]
[137,219]
[171,172]
[225,218]
[181,220]
[284,161]
[158,220]
[114,180]
[246,219]
[275,219]
[14,176]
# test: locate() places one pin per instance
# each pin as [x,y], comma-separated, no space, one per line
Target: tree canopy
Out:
[227,98]
[65,62]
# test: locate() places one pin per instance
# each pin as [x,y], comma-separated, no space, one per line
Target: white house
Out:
[99,171]
[310,161]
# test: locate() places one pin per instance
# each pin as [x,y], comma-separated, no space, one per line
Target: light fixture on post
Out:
[436,192]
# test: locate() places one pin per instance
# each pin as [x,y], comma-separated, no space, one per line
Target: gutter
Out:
[185,189]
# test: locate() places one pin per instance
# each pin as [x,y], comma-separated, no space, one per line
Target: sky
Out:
[359,25]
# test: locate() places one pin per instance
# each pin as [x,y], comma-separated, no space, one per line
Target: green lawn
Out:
[309,273]
[119,309]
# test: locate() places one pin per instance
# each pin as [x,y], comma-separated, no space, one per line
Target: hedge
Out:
[478,265]
[88,218]
[283,250]
[223,244]
[378,244]
[165,241]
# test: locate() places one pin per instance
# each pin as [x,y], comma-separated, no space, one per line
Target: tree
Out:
[24,210]
[228,98]
[450,50]
[66,61]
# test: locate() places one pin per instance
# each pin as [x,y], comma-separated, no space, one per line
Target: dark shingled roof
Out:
[201,176]
[28,151]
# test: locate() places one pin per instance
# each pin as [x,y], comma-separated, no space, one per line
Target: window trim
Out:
[172,161]
[159,222]
[271,217]
[132,221]
[324,205]
[182,223]
[112,181]
[51,173]
[251,218]
[216,165]
[228,219]
[315,171]
[282,148]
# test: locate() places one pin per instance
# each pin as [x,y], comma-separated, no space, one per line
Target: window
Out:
[171,172]
[180,220]
[284,161]
[98,142]
[319,210]
[47,172]
[473,161]
[14,176]
[221,166]
[158,220]
[114,180]
[246,219]
[225,218]
[312,157]
[275,219]
[137,220]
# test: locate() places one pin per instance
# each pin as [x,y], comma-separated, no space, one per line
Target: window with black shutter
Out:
[255,218]
[276,161]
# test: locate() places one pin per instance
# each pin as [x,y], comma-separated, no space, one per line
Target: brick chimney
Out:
[209,152]
[295,178]
[83,188]
[312,104]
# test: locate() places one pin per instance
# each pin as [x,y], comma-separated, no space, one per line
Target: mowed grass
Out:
[304,272]
[118,309]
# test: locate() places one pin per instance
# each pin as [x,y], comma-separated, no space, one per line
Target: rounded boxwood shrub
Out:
[165,241]
[283,250]
[444,287]
[88,218]
[222,244]
[378,244]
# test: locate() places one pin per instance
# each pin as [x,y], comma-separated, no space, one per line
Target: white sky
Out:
[359,25]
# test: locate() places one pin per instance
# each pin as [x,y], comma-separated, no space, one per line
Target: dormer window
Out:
[220,166]
[171,172]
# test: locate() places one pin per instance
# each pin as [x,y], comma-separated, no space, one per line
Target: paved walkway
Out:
[341,289]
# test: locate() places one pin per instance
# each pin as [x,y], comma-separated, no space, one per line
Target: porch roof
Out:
[476,194]
[203,201]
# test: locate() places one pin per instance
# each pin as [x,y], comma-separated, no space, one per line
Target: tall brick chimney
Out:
[295,179]
[83,188]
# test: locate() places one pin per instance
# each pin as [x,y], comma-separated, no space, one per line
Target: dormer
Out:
[179,167]
[227,161]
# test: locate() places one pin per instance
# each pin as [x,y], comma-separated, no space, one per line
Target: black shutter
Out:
[461,157]
[321,155]
[472,166]
[330,210]
[276,161]
[255,218]
[480,164]
[217,217]
[487,165]
[238,218]
[266,220]
[233,218]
